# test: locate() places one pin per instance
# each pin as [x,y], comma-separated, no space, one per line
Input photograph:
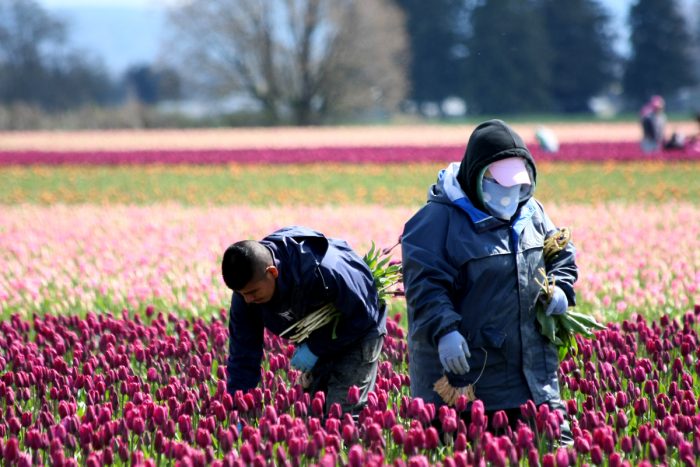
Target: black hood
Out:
[491,141]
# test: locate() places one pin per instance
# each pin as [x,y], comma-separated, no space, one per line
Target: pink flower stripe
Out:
[569,152]
[69,258]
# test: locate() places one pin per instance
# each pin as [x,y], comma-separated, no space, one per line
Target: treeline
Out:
[321,61]
[46,83]
[512,56]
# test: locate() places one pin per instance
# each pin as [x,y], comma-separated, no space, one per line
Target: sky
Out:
[126,32]
[102,3]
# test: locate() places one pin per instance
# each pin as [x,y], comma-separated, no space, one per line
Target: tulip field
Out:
[113,314]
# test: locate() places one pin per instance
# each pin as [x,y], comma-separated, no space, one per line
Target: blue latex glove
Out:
[559,303]
[454,351]
[303,358]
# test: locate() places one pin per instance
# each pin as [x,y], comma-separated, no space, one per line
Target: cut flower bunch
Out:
[561,329]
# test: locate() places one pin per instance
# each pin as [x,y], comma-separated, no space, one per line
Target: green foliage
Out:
[386,274]
[561,330]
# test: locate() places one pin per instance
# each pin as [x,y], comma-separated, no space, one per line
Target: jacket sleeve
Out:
[351,288]
[245,346]
[563,267]
[428,276]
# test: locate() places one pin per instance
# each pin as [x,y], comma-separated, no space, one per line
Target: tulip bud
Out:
[203,438]
[500,420]
[311,450]
[317,408]
[432,438]
[295,447]
[449,425]
[355,456]
[621,420]
[374,433]
[582,445]
[123,452]
[139,426]
[533,456]
[398,434]
[478,415]
[461,403]
[528,410]
[418,461]
[460,443]
[335,411]
[353,395]
[626,444]
[596,455]
[247,453]
[349,434]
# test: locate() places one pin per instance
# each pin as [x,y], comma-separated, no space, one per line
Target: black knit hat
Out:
[491,141]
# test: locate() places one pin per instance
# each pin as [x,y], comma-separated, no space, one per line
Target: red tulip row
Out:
[569,152]
[145,391]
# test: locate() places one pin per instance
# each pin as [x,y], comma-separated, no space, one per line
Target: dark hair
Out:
[244,261]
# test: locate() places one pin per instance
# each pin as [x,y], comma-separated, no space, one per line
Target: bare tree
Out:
[301,60]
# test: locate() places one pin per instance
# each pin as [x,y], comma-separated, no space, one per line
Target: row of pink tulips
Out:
[66,259]
[569,152]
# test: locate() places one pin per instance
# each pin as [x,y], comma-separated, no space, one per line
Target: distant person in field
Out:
[471,257]
[286,276]
[653,120]
[547,140]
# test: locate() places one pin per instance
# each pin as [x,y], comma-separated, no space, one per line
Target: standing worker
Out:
[283,278]
[470,262]
[653,120]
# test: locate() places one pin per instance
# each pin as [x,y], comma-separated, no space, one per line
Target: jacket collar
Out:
[452,190]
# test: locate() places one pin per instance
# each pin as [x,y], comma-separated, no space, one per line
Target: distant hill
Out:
[120,36]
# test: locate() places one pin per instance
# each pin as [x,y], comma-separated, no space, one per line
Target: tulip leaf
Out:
[385,274]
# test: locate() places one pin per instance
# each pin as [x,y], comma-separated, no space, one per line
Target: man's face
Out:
[262,289]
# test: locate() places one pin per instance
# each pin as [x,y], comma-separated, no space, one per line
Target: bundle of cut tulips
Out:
[386,275]
[561,330]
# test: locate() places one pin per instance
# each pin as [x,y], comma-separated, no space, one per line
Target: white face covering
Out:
[501,201]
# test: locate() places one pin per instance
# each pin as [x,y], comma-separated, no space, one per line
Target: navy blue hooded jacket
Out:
[313,271]
[468,271]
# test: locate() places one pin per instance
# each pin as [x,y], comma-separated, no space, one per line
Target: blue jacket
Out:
[466,270]
[313,271]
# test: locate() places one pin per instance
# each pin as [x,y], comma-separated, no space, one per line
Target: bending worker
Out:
[278,281]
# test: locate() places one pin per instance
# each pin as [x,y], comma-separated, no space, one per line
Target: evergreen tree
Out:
[508,58]
[660,61]
[583,58]
[434,40]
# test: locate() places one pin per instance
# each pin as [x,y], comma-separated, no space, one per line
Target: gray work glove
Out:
[454,351]
[558,304]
